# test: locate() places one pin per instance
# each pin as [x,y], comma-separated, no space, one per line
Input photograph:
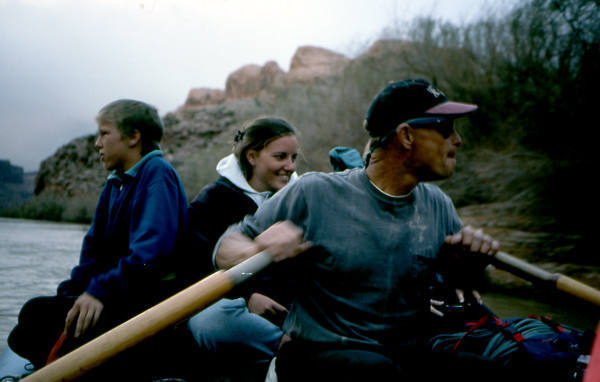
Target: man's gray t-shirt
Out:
[364,279]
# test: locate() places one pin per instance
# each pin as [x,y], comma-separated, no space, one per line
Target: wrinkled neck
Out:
[388,172]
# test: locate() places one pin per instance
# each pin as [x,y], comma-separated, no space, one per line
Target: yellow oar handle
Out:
[577,288]
[558,281]
[148,323]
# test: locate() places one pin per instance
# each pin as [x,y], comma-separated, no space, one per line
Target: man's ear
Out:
[405,135]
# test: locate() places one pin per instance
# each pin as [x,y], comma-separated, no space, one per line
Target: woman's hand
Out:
[267,308]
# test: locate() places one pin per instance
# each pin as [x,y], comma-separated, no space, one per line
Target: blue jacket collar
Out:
[132,172]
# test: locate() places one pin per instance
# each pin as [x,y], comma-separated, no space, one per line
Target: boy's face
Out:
[113,148]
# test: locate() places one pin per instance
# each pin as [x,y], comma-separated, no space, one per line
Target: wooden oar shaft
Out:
[148,323]
[521,268]
[535,274]
[579,289]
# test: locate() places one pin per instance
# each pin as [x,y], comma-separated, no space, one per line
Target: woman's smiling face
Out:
[273,166]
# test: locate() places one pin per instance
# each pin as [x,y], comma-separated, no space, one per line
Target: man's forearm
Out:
[233,249]
[282,240]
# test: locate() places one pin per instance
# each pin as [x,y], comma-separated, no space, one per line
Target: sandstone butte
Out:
[309,64]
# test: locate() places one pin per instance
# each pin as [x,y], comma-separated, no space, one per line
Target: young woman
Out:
[262,162]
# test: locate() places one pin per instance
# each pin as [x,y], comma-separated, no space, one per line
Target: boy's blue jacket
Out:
[135,241]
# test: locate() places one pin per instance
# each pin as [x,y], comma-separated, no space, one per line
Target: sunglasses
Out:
[444,126]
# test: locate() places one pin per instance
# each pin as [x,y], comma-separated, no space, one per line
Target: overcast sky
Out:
[62,60]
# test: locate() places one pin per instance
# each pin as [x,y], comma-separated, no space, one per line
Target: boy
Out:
[128,259]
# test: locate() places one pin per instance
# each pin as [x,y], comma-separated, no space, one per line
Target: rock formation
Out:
[308,65]
[199,97]
[312,63]
[385,46]
[251,80]
[74,170]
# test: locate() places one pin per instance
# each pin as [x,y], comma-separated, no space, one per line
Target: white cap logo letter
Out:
[436,93]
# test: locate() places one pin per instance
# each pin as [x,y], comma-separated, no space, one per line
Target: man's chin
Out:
[432,177]
[447,174]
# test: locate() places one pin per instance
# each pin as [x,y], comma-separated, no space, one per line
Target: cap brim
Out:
[451,108]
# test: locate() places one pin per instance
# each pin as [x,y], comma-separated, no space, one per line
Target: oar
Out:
[534,274]
[148,323]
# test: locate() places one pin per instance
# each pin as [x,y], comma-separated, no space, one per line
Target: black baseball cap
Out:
[408,99]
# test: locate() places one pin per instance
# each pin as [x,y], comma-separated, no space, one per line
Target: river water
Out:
[36,255]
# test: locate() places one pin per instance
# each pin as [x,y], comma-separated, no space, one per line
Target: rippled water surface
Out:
[34,257]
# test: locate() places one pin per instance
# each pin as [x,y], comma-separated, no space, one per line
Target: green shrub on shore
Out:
[54,208]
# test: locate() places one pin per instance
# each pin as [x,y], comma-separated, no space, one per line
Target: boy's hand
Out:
[87,309]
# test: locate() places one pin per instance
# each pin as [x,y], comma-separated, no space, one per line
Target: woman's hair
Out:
[257,134]
[129,115]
